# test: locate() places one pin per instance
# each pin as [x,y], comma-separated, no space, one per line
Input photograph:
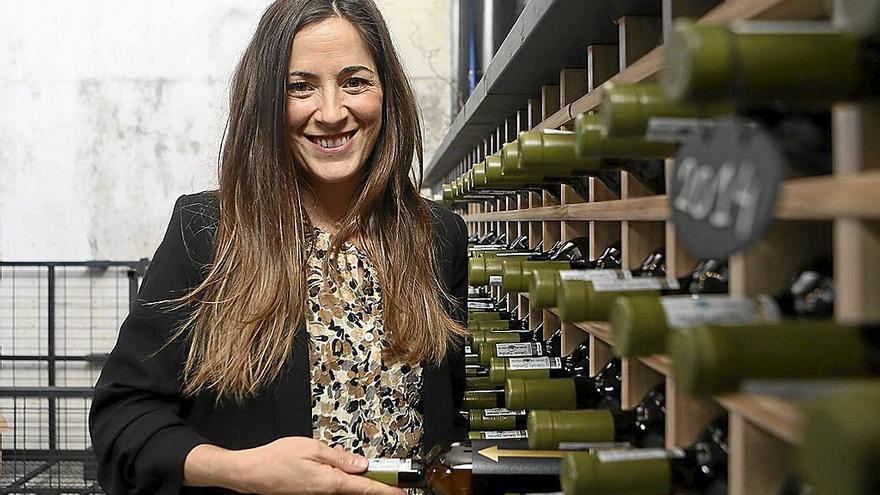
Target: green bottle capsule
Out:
[542,287]
[497,419]
[591,300]
[583,473]
[478,383]
[591,144]
[626,109]
[478,337]
[516,274]
[841,450]
[551,153]
[757,65]
[556,393]
[715,359]
[547,428]
[448,195]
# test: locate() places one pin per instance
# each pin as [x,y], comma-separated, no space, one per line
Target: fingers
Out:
[358,485]
[339,458]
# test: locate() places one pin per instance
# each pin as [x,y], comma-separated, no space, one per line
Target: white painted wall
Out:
[110,109]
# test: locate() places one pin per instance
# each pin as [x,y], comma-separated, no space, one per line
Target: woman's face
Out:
[334,101]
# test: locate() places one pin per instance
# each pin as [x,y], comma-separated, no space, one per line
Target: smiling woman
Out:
[308,312]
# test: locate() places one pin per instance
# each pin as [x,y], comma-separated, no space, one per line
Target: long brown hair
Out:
[254,297]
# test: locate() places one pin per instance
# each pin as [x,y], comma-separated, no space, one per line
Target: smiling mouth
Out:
[334,141]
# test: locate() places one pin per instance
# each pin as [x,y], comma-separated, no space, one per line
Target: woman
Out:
[313,301]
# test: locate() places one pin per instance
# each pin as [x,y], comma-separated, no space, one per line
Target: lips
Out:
[332,142]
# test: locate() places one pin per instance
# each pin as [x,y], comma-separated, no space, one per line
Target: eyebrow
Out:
[351,69]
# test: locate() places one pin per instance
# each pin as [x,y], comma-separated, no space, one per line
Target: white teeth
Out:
[332,143]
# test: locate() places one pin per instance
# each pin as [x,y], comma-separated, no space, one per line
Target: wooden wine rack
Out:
[838,213]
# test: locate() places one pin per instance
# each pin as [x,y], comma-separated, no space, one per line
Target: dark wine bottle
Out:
[471,467]
[577,392]
[698,469]
[642,426]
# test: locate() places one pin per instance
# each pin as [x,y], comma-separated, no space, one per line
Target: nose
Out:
[332,112]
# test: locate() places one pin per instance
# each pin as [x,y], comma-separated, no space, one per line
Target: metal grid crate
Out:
[58,322]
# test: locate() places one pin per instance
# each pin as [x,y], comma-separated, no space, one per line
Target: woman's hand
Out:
[291,466]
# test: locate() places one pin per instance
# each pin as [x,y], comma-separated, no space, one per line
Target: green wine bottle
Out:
[553,153]
[642,426]
[642,323]
[759,63]
[591,143]
[581,298]
[578,392]
[841,450]
[715,359]
[698,469]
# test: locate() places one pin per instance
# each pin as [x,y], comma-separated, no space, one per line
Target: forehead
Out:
[328,46]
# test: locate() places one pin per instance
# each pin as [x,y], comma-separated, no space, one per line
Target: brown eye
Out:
[356,83]
[298,87]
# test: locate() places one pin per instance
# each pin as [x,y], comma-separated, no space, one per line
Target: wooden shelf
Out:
[810,198]
[780,417]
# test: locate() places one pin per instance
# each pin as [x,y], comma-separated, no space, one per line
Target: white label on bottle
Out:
[686,311]
[390,465]
[517,349]
[638,455]
[635,284]
[674,129]
[494,279]
[500,411]
[555,131]
[478,305]
[597,274]
[534,363]
[500,435]
[594,446]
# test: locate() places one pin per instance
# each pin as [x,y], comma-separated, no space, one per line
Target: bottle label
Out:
[638,455]
[500,411]
[501,435]
[686,311]
[495,280]
[597,274]
[674,129]
[467,350]
[534,363]
[479,305]
[517,349]
[382,465]
[635,284]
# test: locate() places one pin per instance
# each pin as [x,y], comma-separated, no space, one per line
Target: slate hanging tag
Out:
[724,187]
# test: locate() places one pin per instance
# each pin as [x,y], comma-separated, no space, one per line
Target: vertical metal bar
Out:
[50,345]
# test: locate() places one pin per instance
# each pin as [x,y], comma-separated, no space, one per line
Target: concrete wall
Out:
[110,109]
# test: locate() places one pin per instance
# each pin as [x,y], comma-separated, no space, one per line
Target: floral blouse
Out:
[361,400]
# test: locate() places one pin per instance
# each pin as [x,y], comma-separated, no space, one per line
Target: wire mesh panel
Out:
[58,322]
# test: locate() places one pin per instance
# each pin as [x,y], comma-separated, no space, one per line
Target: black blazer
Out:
[142,428]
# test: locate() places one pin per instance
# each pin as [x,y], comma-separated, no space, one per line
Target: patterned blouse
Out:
[360,400]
